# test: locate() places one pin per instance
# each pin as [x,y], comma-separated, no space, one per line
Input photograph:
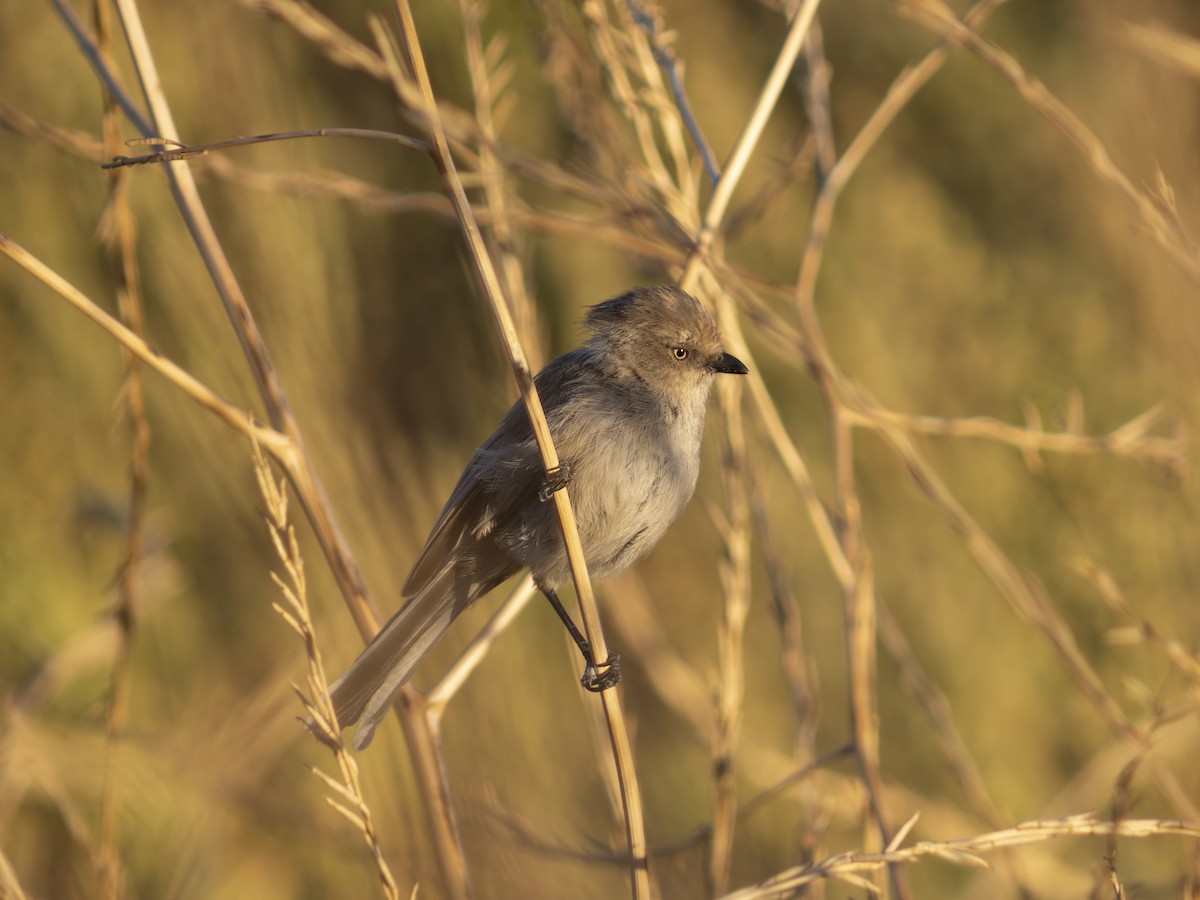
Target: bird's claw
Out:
[601,678]
[556,479]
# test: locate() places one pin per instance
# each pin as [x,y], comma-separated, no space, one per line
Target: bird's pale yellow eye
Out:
[680,352]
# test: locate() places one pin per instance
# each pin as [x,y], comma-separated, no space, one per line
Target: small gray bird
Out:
[627,412]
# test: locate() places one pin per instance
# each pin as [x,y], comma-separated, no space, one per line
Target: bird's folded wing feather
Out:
[504,472]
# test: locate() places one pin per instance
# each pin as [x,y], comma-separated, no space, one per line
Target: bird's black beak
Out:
[729,364]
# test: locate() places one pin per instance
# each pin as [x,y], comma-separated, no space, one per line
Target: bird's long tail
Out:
[365,693]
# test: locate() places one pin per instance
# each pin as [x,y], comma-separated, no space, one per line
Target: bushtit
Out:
[627,412]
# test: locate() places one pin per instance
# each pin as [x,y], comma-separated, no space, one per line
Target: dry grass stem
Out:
[78,143]
[933,702]
[679,686]
[298,466]
[440,695]
[752,131]
[899,93]
[1031,603]
[341,48]
[798,666]
[1168,47]
[630,794]
[1157,213]
[847,406]
[347,797]
[286,447]
[10,888]
[759,801]
[118,233]
[102,66]
[735,578]
[187,196]
[664,54]
[176,152]
[849,867]
[1140,630]
[325,183]
[1131,440]
[635,82]
[276,444]
[490,74]
[304,478]
[859,602]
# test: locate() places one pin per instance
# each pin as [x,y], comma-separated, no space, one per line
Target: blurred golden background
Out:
[1019,278]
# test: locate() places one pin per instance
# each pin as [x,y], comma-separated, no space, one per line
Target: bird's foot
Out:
[601,678]
[556,479]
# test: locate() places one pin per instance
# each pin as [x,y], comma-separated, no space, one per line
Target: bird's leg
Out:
[595,678]
[556,479]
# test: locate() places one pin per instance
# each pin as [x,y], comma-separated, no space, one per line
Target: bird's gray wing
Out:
[461,509]
[505,472]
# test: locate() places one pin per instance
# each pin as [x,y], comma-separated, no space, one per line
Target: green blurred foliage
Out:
[975,263]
